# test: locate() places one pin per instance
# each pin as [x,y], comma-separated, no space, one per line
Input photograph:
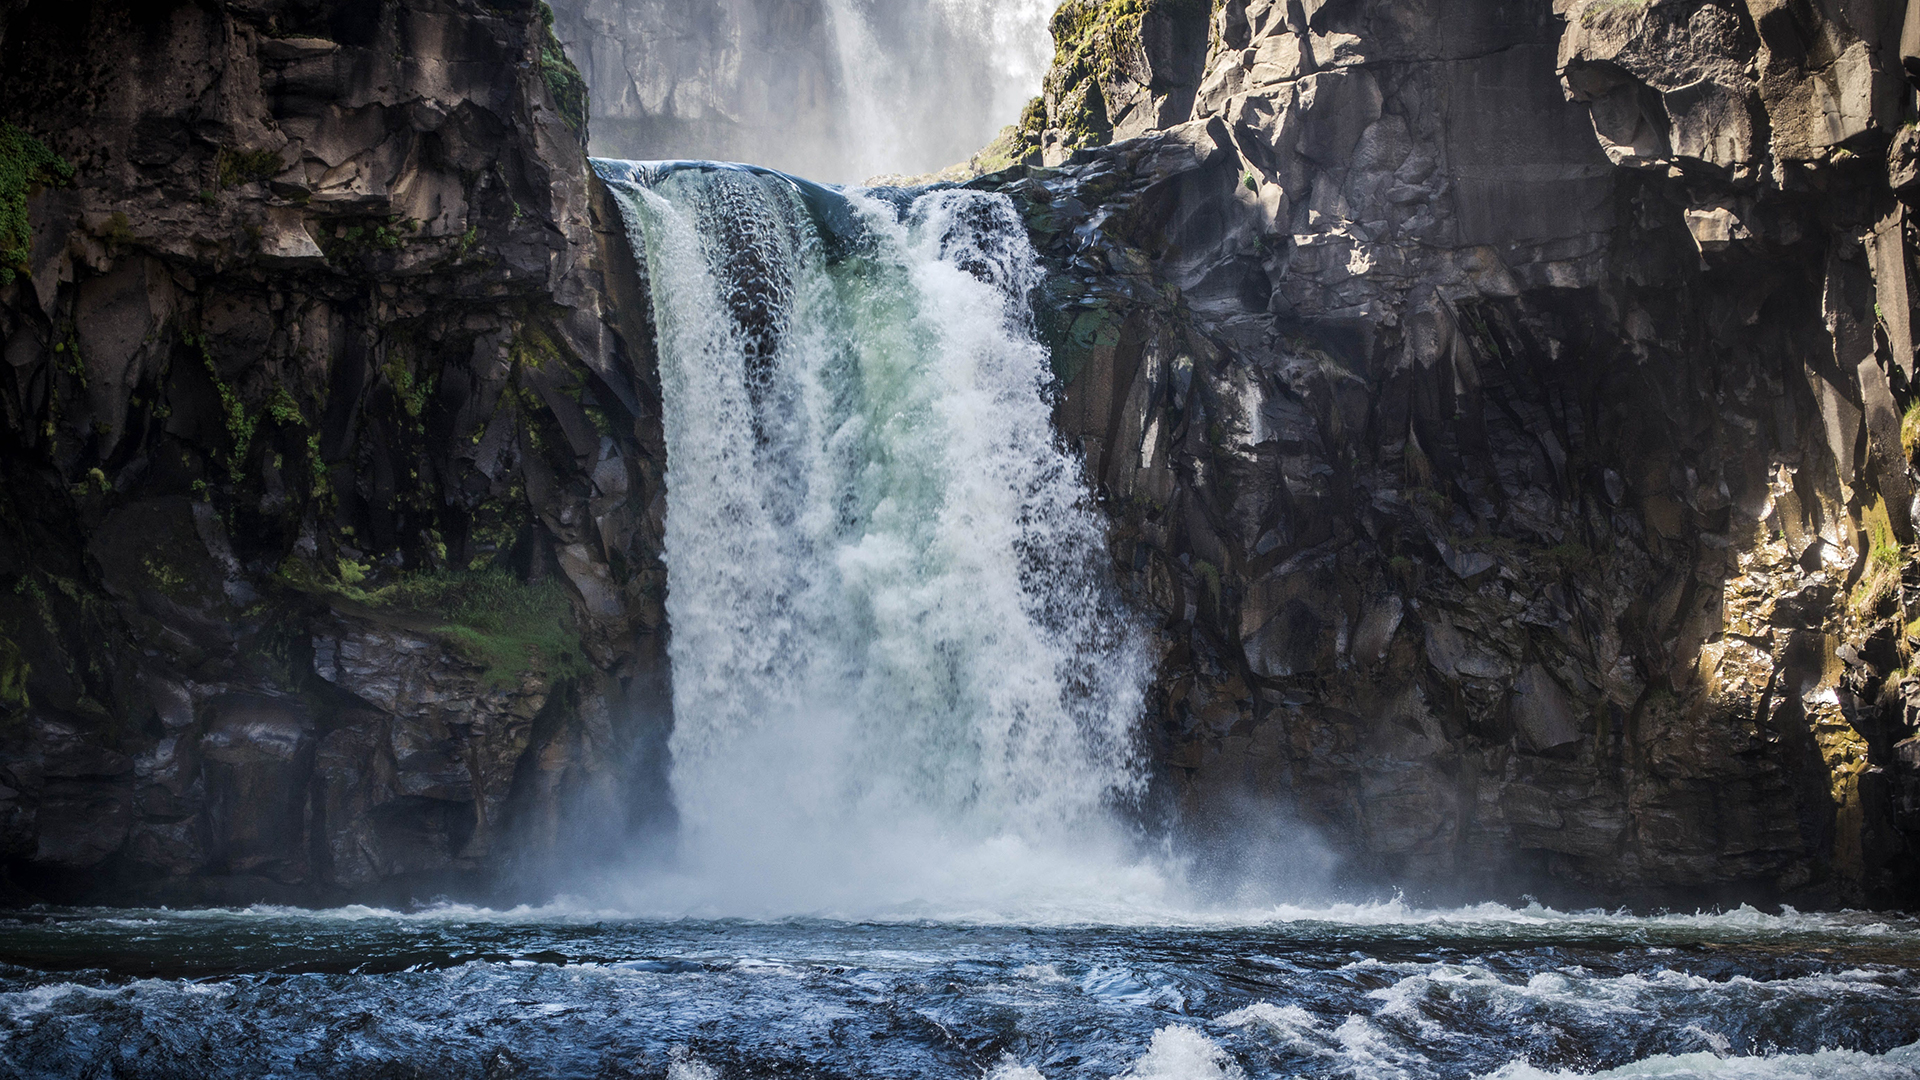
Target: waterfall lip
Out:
[842,229]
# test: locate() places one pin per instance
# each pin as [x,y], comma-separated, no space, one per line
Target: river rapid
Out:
[1372,991]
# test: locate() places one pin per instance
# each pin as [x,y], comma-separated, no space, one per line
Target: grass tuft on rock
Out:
[25,163]
[509,627]
[1885,558]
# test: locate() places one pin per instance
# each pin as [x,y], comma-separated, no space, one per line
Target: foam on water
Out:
[1489,922]
[1179,1052]
[1901,1064]
[460,991]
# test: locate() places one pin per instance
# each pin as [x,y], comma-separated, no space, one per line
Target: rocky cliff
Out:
[1504,410]
[330,485]
[1502,407]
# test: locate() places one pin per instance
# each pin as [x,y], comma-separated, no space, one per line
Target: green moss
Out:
[322,484]
[535,348]
[237,168]
[25,163]
[563,80]
[14,672]
[284,410]
[1570,557]
[165,578]
[1094,42]
[351,239]
[509,627]
[1885,558]
[241,424]
[1210,574]
[1882,549]
[1910,430]
[410,392]
[94,483]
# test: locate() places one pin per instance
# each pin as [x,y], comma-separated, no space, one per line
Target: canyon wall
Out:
[1501,407]
[330,485]
[1502,411]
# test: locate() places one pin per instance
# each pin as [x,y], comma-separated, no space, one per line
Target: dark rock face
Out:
[331,490]
[1503,411]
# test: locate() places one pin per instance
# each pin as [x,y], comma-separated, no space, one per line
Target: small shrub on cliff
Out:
[241,167]
[25,163]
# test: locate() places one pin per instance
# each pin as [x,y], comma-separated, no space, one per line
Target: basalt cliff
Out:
[329,483]
[1502,410]
[1508,411]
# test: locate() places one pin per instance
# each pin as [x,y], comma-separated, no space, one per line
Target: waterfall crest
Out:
[900,673]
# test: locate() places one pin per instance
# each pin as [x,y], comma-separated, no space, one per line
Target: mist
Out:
[839,91]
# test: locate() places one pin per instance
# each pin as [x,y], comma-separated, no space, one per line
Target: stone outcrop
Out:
[1502,409]
[330,491]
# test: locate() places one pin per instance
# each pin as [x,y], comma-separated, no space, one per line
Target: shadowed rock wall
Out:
[1501,406]
[329,485]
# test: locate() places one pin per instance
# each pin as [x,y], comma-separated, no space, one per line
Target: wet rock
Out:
[317,434]
[1423,408]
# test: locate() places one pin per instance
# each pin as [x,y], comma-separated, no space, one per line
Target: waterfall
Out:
[901,674]
[986,57]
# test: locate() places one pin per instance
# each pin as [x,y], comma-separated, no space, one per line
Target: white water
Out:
[901,681]
[927,83]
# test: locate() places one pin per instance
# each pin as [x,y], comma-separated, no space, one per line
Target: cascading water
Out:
[900,675]
[988,56]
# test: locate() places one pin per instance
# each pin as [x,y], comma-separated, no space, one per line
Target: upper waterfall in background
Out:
[899,669]
[987,57]
[841,90]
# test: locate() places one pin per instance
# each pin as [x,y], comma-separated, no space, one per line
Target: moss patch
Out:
[1097,44]
[25,163]
[13,675]
[563,80]
[238,168]
[509,627]
[1884,559]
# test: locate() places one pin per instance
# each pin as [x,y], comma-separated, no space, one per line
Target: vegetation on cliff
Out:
[25,163]
[563,79]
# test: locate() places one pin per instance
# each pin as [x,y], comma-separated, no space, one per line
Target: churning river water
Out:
[1371,992]
[906,693]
